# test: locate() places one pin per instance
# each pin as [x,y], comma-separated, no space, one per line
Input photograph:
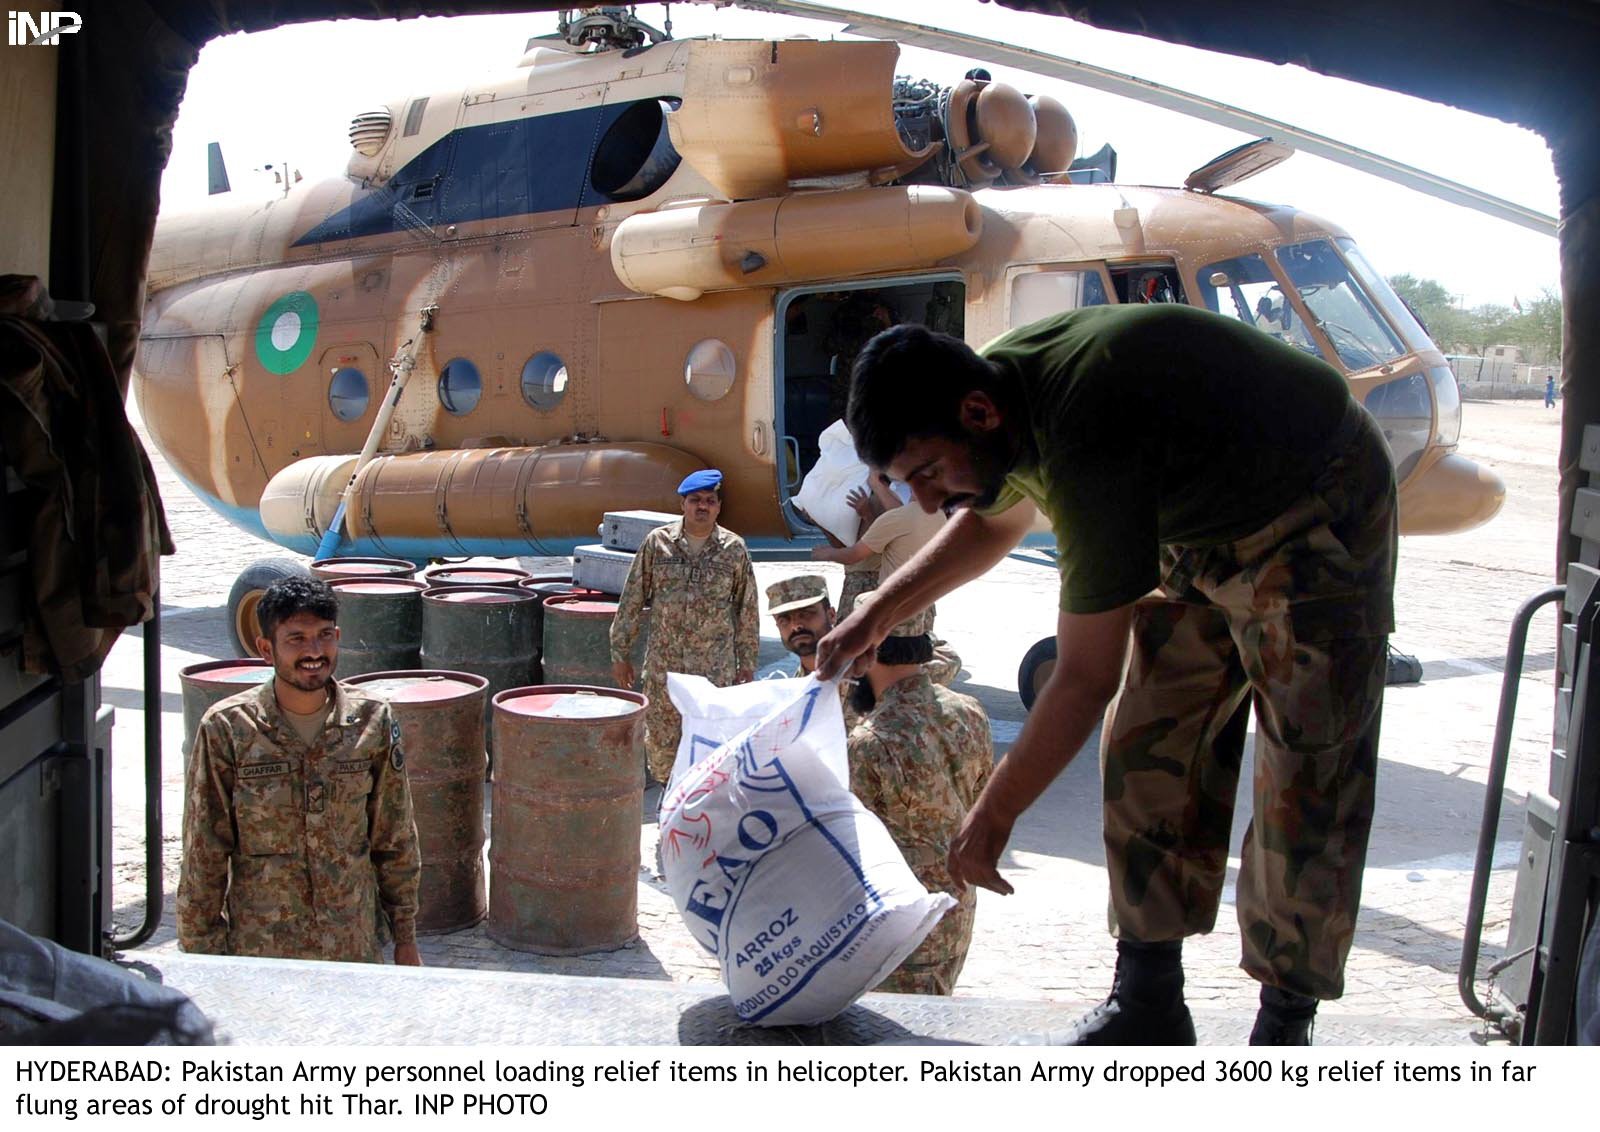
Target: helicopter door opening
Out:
[821,332]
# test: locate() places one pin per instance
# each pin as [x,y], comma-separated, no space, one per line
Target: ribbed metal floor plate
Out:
[289,1002]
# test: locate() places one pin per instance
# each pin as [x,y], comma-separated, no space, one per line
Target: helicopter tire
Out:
[252,582]
[1037,664]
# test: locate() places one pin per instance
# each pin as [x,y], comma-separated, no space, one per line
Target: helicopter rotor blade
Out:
[1166,97]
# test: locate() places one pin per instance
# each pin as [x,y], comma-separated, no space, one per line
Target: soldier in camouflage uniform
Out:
[919,757]
[1224,514]
[803,615]
[704,614]
[298,838]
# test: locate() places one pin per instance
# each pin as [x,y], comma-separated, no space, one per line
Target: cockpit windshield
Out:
[1245,288]
[1341,308]
[1378,287]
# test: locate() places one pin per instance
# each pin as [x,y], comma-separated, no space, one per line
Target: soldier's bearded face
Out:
[303,651]
[802,628]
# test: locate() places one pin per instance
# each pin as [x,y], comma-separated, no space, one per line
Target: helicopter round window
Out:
[710,369]
[544,380]
[348,393]
[459,386]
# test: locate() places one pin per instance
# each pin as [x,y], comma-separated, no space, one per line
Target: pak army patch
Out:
[397,758]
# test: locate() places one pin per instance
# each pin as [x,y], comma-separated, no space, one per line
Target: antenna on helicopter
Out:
[282,174]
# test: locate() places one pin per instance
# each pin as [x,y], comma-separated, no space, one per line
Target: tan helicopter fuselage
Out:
[639,327]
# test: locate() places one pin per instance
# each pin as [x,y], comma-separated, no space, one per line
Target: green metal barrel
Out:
[488,631]
[380,624]
[330,569]
[564,859]
[577,640]
[474,575]
[441,731]
[214,681]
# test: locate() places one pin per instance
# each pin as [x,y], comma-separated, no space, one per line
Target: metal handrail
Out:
[152,784]
[1472,940]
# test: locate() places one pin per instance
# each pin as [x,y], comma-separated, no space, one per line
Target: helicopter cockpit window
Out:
[636,156]
[1147,282]
[710,369]
[1245,288]
[1039,294]
[1405,414]
[1393,306]
[544,380]
[459,386]
[1343,312]
[348,393]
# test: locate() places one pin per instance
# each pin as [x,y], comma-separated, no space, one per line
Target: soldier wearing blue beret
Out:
[696,579]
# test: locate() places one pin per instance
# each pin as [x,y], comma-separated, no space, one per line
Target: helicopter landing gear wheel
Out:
[252,582]
[1037,664]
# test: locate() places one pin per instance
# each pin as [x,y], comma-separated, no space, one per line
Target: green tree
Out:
[1536,330]
[1447,324]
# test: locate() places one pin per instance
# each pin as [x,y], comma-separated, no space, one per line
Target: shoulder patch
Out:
[397,758]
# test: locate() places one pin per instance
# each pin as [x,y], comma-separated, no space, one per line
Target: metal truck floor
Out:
[292,1002]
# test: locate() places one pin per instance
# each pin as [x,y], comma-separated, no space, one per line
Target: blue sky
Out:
[288,95]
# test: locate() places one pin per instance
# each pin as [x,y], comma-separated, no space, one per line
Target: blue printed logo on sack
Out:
[779,872]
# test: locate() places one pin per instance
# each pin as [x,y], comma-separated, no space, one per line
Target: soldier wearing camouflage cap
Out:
[298,837]
[803,615]
[695,577]
[1224,515]
[919,757]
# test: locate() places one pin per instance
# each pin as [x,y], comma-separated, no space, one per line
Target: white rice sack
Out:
[774,865]
[837,472]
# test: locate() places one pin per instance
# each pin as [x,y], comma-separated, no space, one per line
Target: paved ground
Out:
[1048,941]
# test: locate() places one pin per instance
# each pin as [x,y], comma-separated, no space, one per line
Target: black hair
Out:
[289,596]
[906,650]
[908,382]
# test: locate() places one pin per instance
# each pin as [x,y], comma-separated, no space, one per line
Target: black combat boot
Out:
[1285,1019]
[1145,1007]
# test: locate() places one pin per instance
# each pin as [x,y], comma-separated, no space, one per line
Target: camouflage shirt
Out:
[703,607]
[851,716]
[292,851]
[919,760]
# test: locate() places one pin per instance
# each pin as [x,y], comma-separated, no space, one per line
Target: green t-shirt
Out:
[1159,424]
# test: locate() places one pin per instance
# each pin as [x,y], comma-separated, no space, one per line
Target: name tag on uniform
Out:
[262,770]
[352,766]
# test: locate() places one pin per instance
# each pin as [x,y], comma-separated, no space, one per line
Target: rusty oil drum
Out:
[211,682]
[486,630]
[332,569]
[564,859]
[474,576]
[441,731]
[380,624]
[577,640]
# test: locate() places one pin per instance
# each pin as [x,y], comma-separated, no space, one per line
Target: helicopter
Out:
[556,292]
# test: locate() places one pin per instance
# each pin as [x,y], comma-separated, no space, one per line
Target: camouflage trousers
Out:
[1293,619]
[663,724]
[856,583]
[935,965]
